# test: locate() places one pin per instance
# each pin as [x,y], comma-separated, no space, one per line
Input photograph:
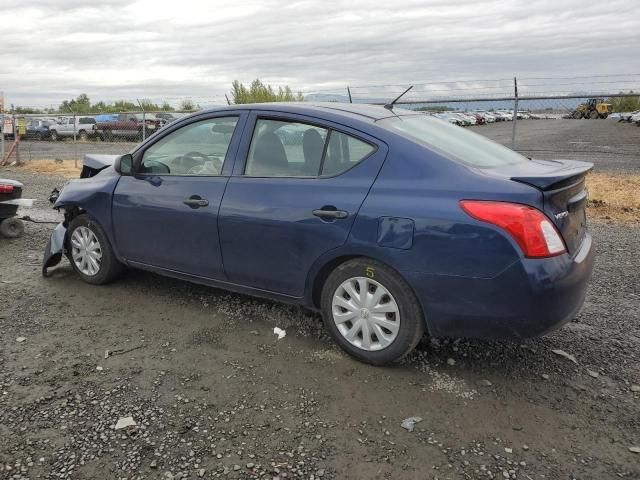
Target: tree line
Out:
[255,92]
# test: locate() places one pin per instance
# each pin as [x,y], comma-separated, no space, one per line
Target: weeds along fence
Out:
[531,115]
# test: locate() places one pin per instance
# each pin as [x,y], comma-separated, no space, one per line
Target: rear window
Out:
[456,142]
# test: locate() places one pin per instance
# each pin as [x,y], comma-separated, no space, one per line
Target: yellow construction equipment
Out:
[594,108]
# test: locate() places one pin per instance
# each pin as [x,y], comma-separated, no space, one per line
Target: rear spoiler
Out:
[570,173]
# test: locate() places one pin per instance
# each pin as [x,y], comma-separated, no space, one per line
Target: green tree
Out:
[187,105]
[258,92]
[80,104]
[629,103]
[24,110]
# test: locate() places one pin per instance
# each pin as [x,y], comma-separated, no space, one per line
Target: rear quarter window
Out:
[455,142]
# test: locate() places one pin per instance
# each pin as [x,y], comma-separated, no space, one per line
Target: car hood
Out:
[99,161]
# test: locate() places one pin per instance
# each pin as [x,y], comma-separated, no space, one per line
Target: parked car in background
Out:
[80,126]
[37,129]
[166,117]
[132,126]
[635,118]
[479,118]
[390,223]
[463,120]
[503,115]
[488,118]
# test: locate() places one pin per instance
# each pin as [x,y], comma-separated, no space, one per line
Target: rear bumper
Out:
[530,298]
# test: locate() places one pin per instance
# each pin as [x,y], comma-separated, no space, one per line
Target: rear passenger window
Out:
[293,149]
[285,149]
[344,152]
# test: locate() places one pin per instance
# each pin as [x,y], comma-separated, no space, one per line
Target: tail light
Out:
[528,226]
[6,188]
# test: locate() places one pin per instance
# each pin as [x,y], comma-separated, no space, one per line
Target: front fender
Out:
[92,195]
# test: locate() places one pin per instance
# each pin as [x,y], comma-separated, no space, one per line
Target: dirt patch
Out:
[614,197]
[64,168]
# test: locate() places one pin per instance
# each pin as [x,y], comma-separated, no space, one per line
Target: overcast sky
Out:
[56,49]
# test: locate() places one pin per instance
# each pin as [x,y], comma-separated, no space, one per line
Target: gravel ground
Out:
[214,394]
[612,146]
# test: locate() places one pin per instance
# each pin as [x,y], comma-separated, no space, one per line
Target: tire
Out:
[82,232]
[83,136]
[11,227]
[604,116]
[53,135]
[593,115]
[107,136]
[401,311]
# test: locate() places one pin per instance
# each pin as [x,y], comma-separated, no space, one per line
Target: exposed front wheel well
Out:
[71,212]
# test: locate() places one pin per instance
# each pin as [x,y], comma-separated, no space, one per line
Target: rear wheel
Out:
[83,136]
[53,135]
[371,312]
[11,227]
[593,114]
[90,252]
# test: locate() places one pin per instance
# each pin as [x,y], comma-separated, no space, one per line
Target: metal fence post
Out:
[144,120]
[349,93]
[515,113]
[16,140]
[2,138]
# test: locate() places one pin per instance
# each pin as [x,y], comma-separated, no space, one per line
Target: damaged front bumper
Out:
[55,249]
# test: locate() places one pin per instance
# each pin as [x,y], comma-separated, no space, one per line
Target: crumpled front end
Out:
[54,249]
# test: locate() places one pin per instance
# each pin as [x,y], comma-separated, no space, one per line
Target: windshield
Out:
[459,144]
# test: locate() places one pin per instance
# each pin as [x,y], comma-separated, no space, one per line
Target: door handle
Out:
[330,213]
[196,202]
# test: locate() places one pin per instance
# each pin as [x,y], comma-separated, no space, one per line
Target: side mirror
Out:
[124,165]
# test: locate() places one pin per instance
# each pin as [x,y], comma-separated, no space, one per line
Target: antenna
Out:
[389,106]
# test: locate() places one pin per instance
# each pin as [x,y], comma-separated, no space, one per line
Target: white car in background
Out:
[504,115]
[81,126]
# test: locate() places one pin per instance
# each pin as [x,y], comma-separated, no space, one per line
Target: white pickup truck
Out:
[65,127]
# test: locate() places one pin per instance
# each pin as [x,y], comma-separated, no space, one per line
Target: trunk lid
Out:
[562,183]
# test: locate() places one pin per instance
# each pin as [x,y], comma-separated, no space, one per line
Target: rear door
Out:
[167,214]
[293,197]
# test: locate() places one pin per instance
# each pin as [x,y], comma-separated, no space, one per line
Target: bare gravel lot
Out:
[214,394]
[612,146]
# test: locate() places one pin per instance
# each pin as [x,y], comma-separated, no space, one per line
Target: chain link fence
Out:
[589,118]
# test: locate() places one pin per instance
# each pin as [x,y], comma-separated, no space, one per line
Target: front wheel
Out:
[371,312]
[90,252]
[53,135]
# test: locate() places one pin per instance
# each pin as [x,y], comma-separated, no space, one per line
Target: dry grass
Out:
[614,197]
[611,196]
[65,168]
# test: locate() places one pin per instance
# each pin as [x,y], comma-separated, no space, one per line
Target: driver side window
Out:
[196,149]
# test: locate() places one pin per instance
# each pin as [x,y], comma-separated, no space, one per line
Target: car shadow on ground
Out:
[524,360]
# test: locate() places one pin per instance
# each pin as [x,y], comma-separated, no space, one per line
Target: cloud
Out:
[52,50]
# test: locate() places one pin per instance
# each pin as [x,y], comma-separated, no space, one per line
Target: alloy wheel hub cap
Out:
[86,251]
[365,313]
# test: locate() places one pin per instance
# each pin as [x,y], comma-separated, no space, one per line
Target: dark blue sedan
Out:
[390,222]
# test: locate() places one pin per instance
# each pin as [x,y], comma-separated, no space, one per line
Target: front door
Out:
[295,198]
[167,214]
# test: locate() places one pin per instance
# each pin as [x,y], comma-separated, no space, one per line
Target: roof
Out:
[362,110]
